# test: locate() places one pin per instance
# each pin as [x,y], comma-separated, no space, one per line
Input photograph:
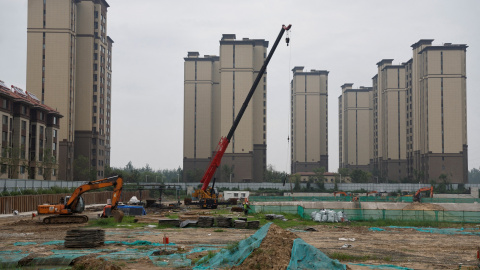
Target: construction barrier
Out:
[377,214]
[28,203]
[360,198]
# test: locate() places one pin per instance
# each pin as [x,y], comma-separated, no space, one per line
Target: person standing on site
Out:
[246,207]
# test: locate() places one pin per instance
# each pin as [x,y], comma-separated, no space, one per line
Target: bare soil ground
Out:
[423,206]
[401,247]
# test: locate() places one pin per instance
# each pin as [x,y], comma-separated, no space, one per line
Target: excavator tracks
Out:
[65,219]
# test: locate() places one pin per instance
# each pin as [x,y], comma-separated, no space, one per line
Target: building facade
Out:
[419,123]
[390,121]
[309,120]
[30,129]
[355,127]
[69,68]
[215,89]
[437,117]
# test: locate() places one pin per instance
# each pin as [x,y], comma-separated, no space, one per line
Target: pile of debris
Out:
[84,238]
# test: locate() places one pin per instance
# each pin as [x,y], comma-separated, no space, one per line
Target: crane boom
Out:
[224,141]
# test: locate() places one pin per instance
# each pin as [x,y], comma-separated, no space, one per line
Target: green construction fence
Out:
[360,198]
[378,214]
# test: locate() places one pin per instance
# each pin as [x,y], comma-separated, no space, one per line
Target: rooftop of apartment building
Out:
[19,95]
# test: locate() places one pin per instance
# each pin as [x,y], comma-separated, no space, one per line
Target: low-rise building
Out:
[29,145]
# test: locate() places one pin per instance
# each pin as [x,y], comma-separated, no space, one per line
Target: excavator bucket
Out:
[117,215]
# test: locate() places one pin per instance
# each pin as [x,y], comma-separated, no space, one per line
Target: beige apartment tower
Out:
[69,68]
[355,127]
[215,88]
[309,120]
[437,115]
[389,121]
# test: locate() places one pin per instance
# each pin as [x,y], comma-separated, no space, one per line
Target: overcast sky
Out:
[347,38]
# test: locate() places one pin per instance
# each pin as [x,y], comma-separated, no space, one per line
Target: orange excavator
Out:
[69,208]
[339,192]
[417,196]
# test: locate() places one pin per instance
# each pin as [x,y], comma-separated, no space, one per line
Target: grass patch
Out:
[218,230]
[173,216]
[109,222]
[293,220]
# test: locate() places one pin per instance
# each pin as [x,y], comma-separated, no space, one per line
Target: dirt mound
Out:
[423,206]
[92,263]
[274,251]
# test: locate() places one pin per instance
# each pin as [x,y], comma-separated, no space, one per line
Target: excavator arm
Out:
[115,181]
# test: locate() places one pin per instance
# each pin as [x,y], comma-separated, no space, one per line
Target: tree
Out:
[226,172]
[82,170]
[359,176]
[474,176]
[49,162]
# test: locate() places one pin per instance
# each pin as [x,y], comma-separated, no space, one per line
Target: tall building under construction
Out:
[215,88]
[69,56]
[309,120]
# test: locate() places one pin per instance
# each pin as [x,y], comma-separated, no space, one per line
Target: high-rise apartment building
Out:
[355,127]
[436,112]
[419,124]
[309,120]
[389,121]
[69,68]
[215,89]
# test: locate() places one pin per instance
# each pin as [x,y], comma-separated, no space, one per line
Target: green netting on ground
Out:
[55,242]
[63,257]
[306,256]
[449,231]
[24,243]
[360,198]
[138,243]
[383,214]
[382,266]
[128,254]
[227,258]
[177,259]
[10,258]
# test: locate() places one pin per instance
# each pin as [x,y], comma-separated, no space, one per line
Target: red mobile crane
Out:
[207,196]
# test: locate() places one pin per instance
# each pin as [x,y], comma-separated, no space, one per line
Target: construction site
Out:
[281,232]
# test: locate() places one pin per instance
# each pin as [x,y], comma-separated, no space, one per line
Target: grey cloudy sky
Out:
[346,38]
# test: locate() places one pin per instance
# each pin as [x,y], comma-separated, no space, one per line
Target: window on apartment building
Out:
[95,67]
[94,109]
[94,88]
[94,152]
[54,146]
[4,168]
[5,104]
[94,119]
[24,109]
[41,130]
[54,133]
[4,136]
[24,125]
[94,98]
[95,77]
[40,171]
[5,120]
[22,169]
